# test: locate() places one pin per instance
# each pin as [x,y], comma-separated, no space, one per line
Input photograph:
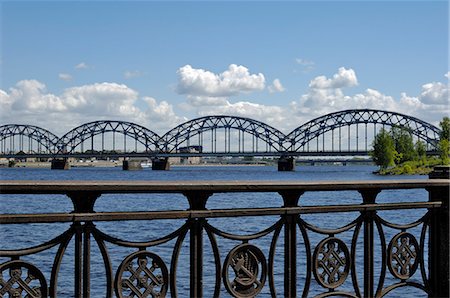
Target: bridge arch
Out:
[302,135]
[45,140]
[184,134]
[88,131]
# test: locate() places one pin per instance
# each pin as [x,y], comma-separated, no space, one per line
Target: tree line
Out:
[395,147]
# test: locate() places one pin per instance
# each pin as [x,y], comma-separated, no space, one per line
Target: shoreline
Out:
[108,164]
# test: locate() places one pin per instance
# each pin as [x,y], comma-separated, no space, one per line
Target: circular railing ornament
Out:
[244,271]
[403,254]
[142,274]
[24,280]
[331,262]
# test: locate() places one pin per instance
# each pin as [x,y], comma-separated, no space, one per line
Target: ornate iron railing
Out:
[244,270]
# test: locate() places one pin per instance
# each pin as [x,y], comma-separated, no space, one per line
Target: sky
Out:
[159,64]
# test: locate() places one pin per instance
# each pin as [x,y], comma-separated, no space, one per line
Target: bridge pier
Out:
[286,163]
[161,164]
[60,164]
[131,165]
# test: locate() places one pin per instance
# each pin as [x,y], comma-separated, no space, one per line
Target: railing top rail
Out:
[64,187]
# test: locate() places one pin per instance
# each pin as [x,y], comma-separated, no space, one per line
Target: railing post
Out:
[290,199]
[83,202]
[78,259]
[197,201]
[369,196]
[438,244]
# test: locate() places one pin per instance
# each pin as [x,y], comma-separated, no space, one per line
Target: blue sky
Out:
[160,63]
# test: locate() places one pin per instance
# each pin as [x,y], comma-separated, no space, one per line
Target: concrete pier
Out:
[161,164]
[131,165]
[60,164]
[286,163]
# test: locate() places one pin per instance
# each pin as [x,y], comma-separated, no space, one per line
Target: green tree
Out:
[444,143]
[445,126]
[383,149]
[421,150]
[444,151]
[404,145]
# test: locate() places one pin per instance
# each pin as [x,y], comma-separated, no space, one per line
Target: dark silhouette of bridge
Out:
[343,133]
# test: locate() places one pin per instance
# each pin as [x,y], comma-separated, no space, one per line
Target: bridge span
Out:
[343,133]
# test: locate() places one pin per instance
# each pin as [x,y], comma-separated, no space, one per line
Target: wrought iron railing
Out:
[244,270]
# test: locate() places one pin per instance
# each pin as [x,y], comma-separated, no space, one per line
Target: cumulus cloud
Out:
[30,102]
[435,93]
[202,83]
[326,95]
[31,96]
[272,115]
[276,86]
[344,78]
[200,101]
[65,77]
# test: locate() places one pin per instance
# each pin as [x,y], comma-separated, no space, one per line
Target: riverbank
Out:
[422,167]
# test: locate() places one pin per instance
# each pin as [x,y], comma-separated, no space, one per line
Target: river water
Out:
[16,236]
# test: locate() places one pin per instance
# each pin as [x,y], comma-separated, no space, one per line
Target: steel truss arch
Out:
[76,136]
[303,134]
[175,137]
[42,136]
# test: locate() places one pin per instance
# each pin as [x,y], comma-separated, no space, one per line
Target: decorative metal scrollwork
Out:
[250,269]
[403,253]
[142,274]
[331,262]
[24,280]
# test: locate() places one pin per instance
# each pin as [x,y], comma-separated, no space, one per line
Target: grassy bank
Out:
[416,167]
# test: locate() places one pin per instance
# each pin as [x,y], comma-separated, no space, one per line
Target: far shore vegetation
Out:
[395,152]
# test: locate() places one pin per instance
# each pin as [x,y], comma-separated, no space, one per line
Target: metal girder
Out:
[44,137]
[275,139]
[175,137]
[76,136]
[318,126]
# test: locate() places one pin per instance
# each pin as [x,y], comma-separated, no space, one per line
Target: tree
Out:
[444,142]
[421,150]
[383,149]
[445,126]
[444,151]
[404,144]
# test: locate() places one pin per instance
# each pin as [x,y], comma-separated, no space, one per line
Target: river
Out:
[16,236]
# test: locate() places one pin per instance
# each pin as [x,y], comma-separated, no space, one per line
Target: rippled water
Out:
[16,236]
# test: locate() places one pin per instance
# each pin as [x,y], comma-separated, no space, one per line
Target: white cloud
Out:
[65,77]
[272,115]
[30,103]
[101,98]
[435,93]
[344,78]
[31,96]
[202,83]
[81,65]
[129,74]
[325,96]
[200,101]
[276,86]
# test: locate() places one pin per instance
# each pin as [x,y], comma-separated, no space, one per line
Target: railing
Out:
[244,270]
